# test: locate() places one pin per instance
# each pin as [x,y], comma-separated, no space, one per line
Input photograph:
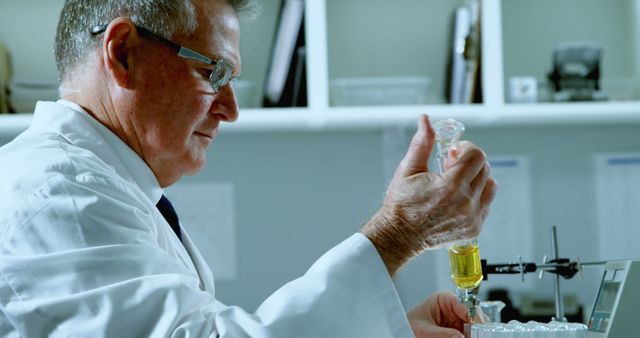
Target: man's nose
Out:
[225,104]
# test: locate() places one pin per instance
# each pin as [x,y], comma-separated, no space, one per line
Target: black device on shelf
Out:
[576,72]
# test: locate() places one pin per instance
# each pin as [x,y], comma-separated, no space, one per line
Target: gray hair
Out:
[163,17]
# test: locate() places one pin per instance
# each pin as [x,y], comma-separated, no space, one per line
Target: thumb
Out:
[417,156]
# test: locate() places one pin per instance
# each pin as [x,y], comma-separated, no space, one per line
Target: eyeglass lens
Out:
[221,75]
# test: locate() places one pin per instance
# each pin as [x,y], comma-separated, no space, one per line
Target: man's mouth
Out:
[207,135]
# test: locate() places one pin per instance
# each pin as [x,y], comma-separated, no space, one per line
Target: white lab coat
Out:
[85,253]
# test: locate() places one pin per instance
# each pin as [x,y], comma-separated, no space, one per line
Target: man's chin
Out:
[198,164]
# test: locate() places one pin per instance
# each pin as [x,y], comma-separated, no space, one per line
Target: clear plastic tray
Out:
[380,91]
[515,329]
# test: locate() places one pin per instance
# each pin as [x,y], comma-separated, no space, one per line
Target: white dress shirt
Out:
[85,253]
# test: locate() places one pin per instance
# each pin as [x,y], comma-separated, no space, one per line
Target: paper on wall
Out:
[618,205]
[206,211]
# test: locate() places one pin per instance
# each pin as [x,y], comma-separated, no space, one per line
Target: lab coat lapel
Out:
[204,273]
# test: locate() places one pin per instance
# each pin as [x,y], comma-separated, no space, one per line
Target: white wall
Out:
[378,38]
[635,12]
[27,29]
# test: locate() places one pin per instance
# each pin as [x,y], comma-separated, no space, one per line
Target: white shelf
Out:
[475,116]
[368,118]
[14,124]
[579,114]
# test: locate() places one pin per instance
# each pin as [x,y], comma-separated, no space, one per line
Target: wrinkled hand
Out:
[424,210]
[441,315]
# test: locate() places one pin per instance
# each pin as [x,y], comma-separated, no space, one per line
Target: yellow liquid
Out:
[466,269]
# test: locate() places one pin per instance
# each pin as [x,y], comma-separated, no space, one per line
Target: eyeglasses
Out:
[221,74]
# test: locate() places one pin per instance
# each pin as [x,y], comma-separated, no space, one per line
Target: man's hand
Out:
[441,315]
[424,210]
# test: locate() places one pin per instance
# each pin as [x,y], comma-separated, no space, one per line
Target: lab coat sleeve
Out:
[346,293]
[81,257]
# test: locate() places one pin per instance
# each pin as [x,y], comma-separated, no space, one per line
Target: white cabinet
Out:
[378,38]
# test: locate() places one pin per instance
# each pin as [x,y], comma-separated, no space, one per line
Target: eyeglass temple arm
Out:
[189,54]
[182,51]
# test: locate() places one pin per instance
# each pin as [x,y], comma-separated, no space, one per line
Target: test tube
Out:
[464,256]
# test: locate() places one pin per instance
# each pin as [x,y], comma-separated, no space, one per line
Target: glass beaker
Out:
[492,310]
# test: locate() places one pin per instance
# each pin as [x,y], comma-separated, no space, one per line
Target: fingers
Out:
[481,179]
[441,315]
[470,179]
[455,310]
[473,167]
[415,161]
[487,196]
[488,192]
[470,163]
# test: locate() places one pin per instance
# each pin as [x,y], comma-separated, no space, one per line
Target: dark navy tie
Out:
[169,214]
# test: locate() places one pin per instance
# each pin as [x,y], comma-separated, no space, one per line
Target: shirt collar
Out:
[82,129]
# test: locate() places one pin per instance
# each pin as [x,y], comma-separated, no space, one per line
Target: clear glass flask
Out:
[464,256]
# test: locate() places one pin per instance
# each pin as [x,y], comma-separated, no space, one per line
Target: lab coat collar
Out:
[199,263]
[78,127]
[75,125]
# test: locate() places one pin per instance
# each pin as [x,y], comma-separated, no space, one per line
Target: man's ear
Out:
[120,39]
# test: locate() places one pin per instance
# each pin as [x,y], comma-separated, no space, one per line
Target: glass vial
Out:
[464,256]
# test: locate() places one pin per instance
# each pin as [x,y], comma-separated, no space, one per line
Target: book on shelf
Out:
[285,84]
[5,77]
[463,71]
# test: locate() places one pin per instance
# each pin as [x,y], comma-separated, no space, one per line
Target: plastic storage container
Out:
[380,91]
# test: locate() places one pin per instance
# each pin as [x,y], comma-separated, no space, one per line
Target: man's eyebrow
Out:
[234,66]
[238,73]
[217,57]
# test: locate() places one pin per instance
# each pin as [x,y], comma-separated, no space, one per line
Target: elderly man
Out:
[91,247]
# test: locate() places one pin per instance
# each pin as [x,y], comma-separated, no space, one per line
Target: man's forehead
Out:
[216,15]
[217,34]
